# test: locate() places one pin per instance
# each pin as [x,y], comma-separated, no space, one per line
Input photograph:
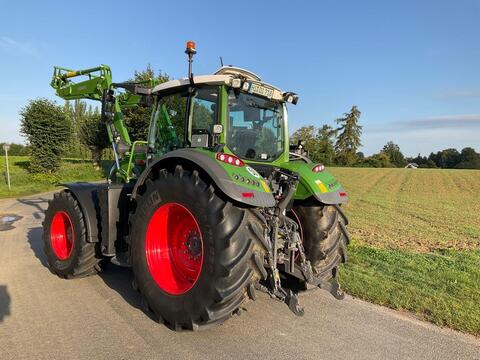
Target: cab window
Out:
[169,121]
[205,109]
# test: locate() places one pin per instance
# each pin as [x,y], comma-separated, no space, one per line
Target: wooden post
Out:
[6,147]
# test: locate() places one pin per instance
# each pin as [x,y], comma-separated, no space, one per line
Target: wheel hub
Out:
[194,245]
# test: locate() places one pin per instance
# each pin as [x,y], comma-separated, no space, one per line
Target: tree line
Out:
[467,158]
[339,147]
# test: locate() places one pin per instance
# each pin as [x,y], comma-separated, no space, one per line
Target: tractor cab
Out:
[232,108]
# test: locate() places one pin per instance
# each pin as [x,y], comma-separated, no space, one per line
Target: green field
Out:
[23,183]
[416,242]
[416,236]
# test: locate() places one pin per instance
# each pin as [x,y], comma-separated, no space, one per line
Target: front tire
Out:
[195,255]
[64,237]
[324,235]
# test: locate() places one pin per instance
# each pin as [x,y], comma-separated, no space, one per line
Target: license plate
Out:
[261,90]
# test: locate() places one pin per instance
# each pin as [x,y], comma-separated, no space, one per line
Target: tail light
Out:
[318,168]
[229,159]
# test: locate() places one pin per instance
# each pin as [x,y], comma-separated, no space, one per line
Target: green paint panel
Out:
[237,173]
[311,182]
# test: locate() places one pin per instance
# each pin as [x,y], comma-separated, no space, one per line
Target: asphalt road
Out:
[44,317]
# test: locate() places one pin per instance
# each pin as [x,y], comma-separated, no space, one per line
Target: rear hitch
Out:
[332,287]
[291,299]
[286,252]
[286,296]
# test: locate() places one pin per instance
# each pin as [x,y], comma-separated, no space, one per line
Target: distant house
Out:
[411,166]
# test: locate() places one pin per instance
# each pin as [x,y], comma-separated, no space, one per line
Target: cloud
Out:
[446,121]
[10,45]
[452,122]
[459,94]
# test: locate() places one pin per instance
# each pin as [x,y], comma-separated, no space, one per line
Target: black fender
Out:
[87,196]
[217,174]
[105,209]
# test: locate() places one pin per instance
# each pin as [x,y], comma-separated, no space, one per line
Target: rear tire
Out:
[325,236]
[64,237]
[200,271]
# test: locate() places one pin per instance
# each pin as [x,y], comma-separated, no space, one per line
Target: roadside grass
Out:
[421,210]
[441,287]
[416,242]
[24,183]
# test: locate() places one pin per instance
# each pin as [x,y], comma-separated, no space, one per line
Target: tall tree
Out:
[349,134]
[318,142]
[395,155]
[93,134]
[137,119]
[447,158]
[76,112]
[468,159]
[47,129]
[325,149]
[307,134]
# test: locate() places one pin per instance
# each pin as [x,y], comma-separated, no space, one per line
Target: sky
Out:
[411,67]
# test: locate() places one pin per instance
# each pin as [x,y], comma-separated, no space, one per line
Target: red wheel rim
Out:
[174,248]
[61,235]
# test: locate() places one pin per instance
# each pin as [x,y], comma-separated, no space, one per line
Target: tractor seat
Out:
[244,141]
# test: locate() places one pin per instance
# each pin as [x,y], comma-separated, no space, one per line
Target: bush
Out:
[47,129]
[380,160]
[94,135]
[46,178]
[16,149]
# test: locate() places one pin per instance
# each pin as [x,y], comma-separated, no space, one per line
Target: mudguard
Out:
[321,185]
[225,176]
[105,209]
[87,197]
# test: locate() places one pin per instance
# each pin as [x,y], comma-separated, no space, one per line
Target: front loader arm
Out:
[99,80]
[96,84]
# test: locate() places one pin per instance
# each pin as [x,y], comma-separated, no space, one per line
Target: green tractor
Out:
[213,207]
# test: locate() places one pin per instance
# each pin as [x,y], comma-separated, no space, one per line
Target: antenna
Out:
[221,61]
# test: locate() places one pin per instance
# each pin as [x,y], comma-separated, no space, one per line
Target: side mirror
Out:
[290,97]
[299,148]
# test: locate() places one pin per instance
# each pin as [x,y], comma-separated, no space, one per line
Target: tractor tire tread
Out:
[86,258]
[325,236]
[238,243]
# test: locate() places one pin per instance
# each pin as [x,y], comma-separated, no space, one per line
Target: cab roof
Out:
[222,76]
